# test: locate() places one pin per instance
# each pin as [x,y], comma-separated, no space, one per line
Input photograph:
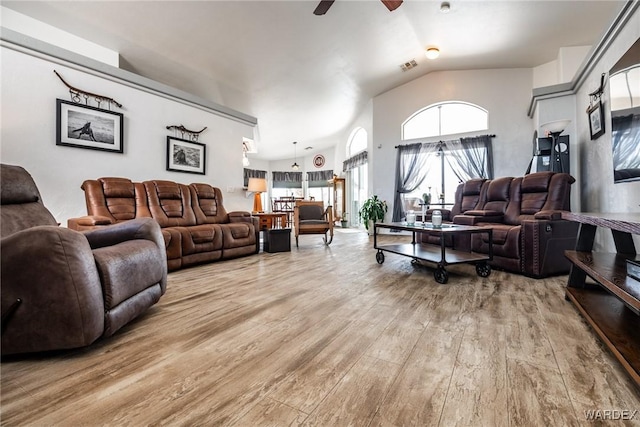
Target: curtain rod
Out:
[442,142]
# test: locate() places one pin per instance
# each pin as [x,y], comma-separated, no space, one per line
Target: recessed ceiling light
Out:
[432,53]
[445,7]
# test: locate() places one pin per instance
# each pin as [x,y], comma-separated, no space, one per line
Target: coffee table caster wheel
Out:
[380,257]
[483,269]
[441,275]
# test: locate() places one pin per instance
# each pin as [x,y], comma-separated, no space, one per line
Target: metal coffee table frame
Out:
[440,255]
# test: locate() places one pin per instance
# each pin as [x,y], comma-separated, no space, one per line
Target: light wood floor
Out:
[326,336]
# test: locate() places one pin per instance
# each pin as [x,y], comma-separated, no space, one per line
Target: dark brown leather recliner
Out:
[529,235]
[62,288]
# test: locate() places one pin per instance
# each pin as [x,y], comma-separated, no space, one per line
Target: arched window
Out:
[357,141]
[445,118]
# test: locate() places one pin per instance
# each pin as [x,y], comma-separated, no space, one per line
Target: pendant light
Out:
[295,166]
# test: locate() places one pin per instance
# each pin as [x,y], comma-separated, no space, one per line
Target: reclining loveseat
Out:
[529,236]
[63,289]
[195,225]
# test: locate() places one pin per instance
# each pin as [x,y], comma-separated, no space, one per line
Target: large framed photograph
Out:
[596,120]
[186,156]
[89,127]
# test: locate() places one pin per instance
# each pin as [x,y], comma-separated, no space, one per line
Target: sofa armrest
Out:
[548,215]
[244,216]
[469,218]
[142,228]
[135,229]
[466,219]
[543,243]
[67,315]
[484,213]
[88,222]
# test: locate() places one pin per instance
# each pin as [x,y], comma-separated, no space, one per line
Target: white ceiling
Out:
[307,77]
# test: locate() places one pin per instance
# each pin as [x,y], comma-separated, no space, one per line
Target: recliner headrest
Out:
[536,182]
[17,186]
[472,187]
[117,187]
[167,189]
[204,191]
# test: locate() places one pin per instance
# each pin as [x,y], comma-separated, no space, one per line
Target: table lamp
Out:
[257,186]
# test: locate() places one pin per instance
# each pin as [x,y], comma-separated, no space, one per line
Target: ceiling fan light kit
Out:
[324,6]
[432,53]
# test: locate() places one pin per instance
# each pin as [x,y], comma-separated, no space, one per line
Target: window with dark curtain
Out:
[470,157]
[354,161]
[319,178]
[287,179]
[439,165]
[411,170]
[253,173]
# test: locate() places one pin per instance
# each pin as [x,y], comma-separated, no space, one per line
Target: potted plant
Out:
[373,209]
[426,198]
[344,221]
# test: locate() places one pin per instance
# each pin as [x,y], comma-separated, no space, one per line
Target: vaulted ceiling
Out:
[307,77]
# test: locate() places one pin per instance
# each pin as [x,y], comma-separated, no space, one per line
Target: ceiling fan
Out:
[324,6]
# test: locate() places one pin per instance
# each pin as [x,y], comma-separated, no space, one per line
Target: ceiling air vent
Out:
[409,65]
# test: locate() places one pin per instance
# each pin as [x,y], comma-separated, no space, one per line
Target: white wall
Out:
[505,93]
[562,69]
[29,89]
[599,193]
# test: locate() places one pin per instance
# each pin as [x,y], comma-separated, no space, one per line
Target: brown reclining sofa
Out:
[195,226]
[529,236]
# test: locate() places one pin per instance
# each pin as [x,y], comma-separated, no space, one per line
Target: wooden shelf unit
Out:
[613,307]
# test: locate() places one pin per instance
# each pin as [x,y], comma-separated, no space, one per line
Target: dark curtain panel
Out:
[470,157]
[411,170]
[354,161]
[287,179]
[253,173]
[319,178]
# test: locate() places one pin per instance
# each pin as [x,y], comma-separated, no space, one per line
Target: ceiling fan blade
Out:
[323,7]
[392,4]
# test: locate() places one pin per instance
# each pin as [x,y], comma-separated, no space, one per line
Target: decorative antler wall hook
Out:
[193,135]
[596,94]
[77,93]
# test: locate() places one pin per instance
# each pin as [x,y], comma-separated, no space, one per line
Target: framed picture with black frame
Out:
[84,126]
[596,120]
[186,156]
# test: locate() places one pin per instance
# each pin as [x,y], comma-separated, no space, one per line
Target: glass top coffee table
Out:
[440,255]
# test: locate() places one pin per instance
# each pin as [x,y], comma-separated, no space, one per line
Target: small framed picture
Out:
[89,127]
[186,156]
[596,120]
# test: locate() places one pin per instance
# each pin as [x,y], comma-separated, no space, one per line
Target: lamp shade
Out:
[257,185]
[557,126]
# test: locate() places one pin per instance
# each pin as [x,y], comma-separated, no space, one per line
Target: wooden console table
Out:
[613,306]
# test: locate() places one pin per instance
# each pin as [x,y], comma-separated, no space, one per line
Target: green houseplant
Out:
[344,221]
[373,209]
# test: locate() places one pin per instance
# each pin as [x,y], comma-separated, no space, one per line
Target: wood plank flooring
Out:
[324,336]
